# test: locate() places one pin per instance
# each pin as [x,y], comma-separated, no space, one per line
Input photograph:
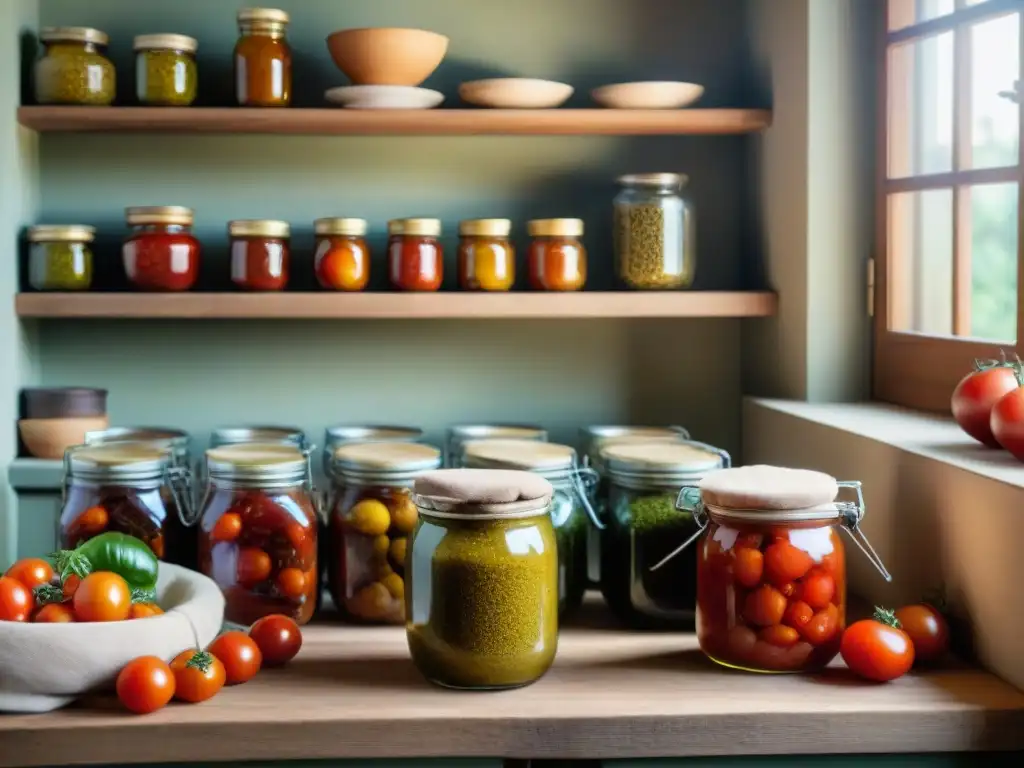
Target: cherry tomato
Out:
[749,540]
[278,638]
[927,629]
[102,596]
[817,589]
[16,600]
[54,613]
[877,649]
[747,566]
[253,566]
[227,528]
[71,586]
[32,572]
[1007,422]
[780,635]
[797,614]
[764,606]
[145,685]
[239,654]
[822,626]
[144,610]
[974,399]
[784,563]
[789,590]
[198,676]
[93,521]
[291,582]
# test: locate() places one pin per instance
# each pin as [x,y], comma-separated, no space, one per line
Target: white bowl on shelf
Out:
[653,94]
[383,97]
[515,93]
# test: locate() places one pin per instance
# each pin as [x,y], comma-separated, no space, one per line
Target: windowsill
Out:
[27,474]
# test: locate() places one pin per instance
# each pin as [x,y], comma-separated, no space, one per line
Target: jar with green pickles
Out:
[60,257]
[165,70]
[482,599]
[74,68]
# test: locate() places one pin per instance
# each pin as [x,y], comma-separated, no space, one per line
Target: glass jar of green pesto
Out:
[482,579]
[643,527]
[74,68]
[165,70]
[60,258]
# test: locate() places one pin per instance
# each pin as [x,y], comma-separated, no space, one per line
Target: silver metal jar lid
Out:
[259,434]
[258,464]
[377,433]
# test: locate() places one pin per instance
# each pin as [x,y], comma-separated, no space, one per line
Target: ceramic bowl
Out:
[661,94]
[62,402]
[383,97]
[387,55]
[49,438]
[515,93]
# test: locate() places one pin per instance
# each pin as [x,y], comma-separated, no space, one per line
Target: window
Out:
[948,262]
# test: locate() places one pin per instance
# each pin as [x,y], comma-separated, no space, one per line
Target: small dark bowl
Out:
[62,402]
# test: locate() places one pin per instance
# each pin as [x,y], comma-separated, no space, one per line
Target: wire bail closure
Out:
[584,479]
[184,496]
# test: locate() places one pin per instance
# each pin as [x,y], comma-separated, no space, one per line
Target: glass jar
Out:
[643,526]
[460,434]
[483,585]
[258,531]
[259,254]
[570,502]
[342,434]
[74,68]
[415,256]
[165,70]
[161,253]
[771,567]
[654,232]
[342,259]
[132,488]
[487,259]
[292,436]
[174,441]
[371,517]
[558,260]
[60,258]
[263,59]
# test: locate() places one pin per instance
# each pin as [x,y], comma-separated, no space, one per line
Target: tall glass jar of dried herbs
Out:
[165,70]
[74,68]
[482,593]
[654,232]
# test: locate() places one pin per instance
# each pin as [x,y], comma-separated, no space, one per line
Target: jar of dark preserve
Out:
[415,256]
[259,254]
[258,531]
[161,253]
[558,260]
[263,59]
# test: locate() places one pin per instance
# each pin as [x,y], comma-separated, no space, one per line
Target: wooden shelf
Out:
[447,122]
[397,305]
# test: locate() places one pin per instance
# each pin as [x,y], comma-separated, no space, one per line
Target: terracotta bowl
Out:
[387,55]
[49,438]
[654,94]
[515,93]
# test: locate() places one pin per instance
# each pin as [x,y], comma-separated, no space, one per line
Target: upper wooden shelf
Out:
[325,305]
[437,122]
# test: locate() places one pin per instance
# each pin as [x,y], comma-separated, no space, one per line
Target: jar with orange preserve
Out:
[558,260]
[415,256]
[771,566]
[263,59]
[259,254]
[342,260]
[161,253]
[258,531]
[487,259]
[372,515]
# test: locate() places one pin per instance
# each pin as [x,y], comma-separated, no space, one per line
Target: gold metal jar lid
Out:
[485,227]
[166,42]
[160,214]
[555,228]
[61,233]
[415,227]
[653,180]
[263,18]
[258,228]
[73,35]
[346,227]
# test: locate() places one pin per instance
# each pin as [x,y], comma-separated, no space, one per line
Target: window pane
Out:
[921,106]
[921,261]
[995,65]
[993,241]
[903,13]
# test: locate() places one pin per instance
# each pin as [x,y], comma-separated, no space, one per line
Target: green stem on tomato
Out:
[887,617]
[68,562]
[48,593]
[200,660]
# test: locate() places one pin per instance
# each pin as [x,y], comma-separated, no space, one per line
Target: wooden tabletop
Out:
[353,693]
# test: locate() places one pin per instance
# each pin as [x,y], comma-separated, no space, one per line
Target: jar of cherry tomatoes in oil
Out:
[771,566]
[415,256]
[258,531]
[558,260]
[259,254]
[487,259]
[161,253]
[372,515]
[342,259]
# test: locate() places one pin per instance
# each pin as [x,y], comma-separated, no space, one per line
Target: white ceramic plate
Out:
[515,93]
[383,97]
[654,94]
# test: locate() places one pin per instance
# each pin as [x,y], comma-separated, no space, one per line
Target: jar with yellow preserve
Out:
[460,434]
[165,70]
[60,257]
[372,515]
[74,68]
[487,258]
[482,601]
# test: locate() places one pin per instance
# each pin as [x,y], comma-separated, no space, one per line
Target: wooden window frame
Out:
[919,370]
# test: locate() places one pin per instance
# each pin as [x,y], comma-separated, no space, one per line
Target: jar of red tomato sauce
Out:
[161,253]
[258,531]
[771,566]
[558,260]
[415,256]
[259,254]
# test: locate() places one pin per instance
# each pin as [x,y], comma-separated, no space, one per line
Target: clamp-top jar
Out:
[174,441]
[292,436]
[342,434]
[460,434]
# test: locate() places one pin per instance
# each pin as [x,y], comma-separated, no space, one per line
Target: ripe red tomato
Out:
[71,586]
[1007,422]
[976,395]
[239,654]
[817,589]
[198,676]
[784,563]
[102,596]
[822,626]
[877,649]
[764,606]
[32,572]
[780,635]
[927,629]
[278,638]
[253,566]
[91,522]
[145,685]
[54,613]
[16,600]
[797,614]
[144,610]
[291,582]
[227,528]
[747,566]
